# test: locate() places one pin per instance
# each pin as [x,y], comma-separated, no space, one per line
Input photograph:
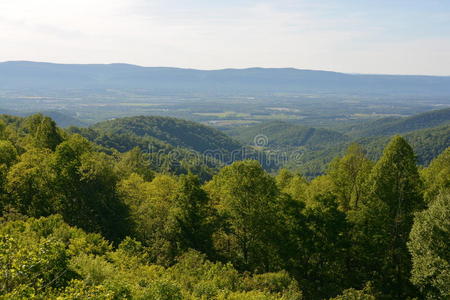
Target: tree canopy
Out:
[82,221]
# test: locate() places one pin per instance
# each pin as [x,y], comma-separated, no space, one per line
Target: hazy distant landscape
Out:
[315,113]
[90,93]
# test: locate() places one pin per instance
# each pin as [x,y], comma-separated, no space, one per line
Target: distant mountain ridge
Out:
[23,74]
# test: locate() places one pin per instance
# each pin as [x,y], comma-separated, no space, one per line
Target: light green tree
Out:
[295,185]
[437,176]
[429,246]
[134,161]
[245,197]
[349,175]
[42,132]
[30,184]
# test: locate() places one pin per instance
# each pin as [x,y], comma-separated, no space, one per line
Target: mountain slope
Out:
[172,144]
[22,74]
[283,134]
[311,149]
[393,125]
[426,143]
[175,132]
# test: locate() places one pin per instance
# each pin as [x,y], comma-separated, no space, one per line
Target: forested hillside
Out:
[175,132]
[392,125]
[427,143]
[82,221]
[169,144]
[283,134]
[310,149]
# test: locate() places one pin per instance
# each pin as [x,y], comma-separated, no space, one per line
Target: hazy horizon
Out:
[217,69]
[363,37]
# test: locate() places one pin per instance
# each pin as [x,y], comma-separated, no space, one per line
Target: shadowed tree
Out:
[383,223]
[86,184]
[195,216]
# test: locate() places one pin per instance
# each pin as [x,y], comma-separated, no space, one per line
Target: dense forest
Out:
[313,148]
[86,215]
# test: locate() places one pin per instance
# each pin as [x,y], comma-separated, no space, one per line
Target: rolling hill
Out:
[426,143]
[175,142]
[397,125]
[428,133]
[283,134]
[172,131]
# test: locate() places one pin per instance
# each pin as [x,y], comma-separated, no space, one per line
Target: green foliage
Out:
[86,185]
[328,248]
[43,131]
[8,153]
[170,145]
[310,150]
[353,294]
[153,154]
[349,175]
[35,255]
[294,185]
[154,214]
[175,132]
[245,234]
[437,176]
[134,161]
[391,126]
[429,247]
[282,134]
[169,215]
[30,183]
[245,198]
[195,215]
[395,179]
[8,156]
[383,224]
[37,260]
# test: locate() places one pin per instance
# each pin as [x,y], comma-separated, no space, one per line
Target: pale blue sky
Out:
[355,36]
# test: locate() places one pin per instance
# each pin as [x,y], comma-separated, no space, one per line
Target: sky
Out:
[352,36]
